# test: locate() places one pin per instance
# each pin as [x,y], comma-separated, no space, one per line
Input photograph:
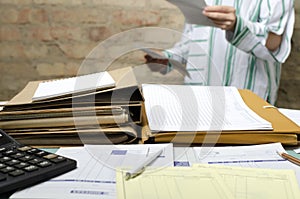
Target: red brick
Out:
[137,18]
[9,33]
[38,16]
[16,2]
[59,2]
[12,51]
[8,15]
[63,16]
[98,33]
[76,51]
[79,15]
[66,33]
[127,3]
[57,69]
[17,75]
[93,16]
[37,33]
[23,15]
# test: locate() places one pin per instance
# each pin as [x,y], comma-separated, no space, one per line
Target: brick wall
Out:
[44,39]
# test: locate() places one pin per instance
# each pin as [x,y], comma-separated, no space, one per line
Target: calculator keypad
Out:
[21,162]
[17,161]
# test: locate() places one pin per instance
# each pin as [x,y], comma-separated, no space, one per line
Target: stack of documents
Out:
[178,172]
[207,114]
[96,108]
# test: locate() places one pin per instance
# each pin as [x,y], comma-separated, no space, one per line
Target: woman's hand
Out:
[223,16]
[157,64]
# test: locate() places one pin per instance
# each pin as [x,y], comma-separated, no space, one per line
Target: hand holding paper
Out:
[222,16]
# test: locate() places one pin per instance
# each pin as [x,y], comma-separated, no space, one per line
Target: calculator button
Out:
[2,165]
[10,152]
[17,172]
[33,150]
[7,169]
[41,153]
[26,158]
[5,159]
[58,159]
[35,161]
[2,149]
[18,155]
[44,164]
[50,156]
[12,162]
[21,165]
[31,168]
[24,148]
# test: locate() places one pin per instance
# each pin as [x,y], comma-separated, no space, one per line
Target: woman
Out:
[245,49]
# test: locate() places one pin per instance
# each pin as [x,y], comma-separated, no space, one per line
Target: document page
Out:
[210,181]
[292,114]
[95,176]
[72,85]
[173,183]
[192,11]
[198,108]
[256,183]
[255,156]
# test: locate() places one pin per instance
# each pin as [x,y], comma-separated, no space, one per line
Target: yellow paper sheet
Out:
[209,181]
[173,183]
[257,183]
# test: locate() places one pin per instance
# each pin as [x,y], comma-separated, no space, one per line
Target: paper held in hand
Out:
[73,85]
[192,11]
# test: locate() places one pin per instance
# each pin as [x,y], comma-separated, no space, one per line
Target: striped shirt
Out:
[240,58]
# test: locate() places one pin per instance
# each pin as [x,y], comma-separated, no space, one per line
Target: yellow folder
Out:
[284,130]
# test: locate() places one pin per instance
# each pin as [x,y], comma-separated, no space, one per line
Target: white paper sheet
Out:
[198,108]
[292,114]
[60,87]
[192,11]
[2,104]
[95,175]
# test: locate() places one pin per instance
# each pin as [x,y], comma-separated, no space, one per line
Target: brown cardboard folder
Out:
[284,130]
[125,95]
[108,112]
[72,137]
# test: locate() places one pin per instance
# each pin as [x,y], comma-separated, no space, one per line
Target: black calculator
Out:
[22,166]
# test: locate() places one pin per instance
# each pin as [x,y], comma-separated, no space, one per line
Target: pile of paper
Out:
[191,114]
[95,108]
[198,172]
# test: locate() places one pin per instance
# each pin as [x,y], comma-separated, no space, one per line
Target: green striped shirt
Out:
[240,58]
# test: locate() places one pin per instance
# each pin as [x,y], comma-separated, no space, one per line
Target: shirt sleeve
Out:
[276,16]
[180,50]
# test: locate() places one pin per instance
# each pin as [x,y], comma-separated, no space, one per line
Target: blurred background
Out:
[46,39]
